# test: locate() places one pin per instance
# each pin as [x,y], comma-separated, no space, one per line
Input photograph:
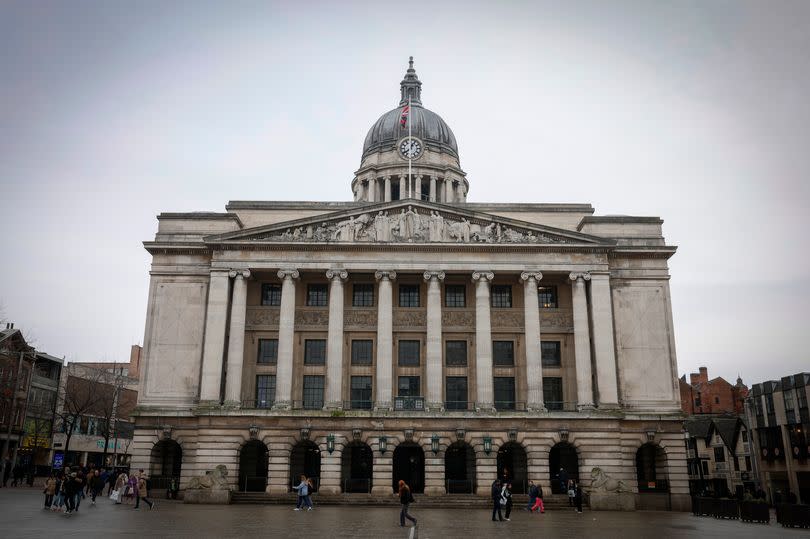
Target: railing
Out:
[514,406]
[161,482]
[662,485]
[458,405]
[460,486]
[252,483]
[358,405]
[357,485]
[409,403]
[295,481]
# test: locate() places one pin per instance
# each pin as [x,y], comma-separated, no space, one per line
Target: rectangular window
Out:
[313,392]
[362,352]
[455,393]
[504,387]
[503,353]
[363,295]
[271,294]
[408,353]
[409,295]
[719,454]
[268,352]
[455,353]
[408,386]
[553,393]
[265,390]
[550,352]
[455,295]
[736,464]
[747,464]
[315,352]
[317,295]
[361,392]
[744,434]
[547,297]
[501,295]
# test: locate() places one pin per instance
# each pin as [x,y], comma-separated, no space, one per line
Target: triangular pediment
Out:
[409,221]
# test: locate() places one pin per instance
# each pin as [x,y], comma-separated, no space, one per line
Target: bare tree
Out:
[84,394]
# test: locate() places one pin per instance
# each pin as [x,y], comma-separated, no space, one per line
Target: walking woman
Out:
[120,486]
[405,499]
[506,499]
[50,490]
[303,494]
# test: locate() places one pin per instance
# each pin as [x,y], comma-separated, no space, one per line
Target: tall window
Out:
[408,386]
[455,295]
[504,387]
[455,391]
[313,392]
[362,352]
[271,294]
[268,352]
[408,353]
[363,295]
[550,352]
[455,353]
[719,454]
[361,392]
[501,295]
[315,352]
[317,295]
[547,297]
[552,393]
[503,353]
[265,390]
[409,295]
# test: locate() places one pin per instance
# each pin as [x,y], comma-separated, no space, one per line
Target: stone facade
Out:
[409,334]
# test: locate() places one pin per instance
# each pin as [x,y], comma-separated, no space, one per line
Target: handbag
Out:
[115,495]
[571,493]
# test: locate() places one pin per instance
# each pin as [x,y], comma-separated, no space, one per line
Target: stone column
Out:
[330,466]
[387,180]
[603,345]
[286,337]
[434,469]
[403,187]
[582,340]
[433,188]
[448,189]
[434,340]
[372,189]
[334,345]
[534,360]
[418,187]
[385,340]
[383,467]
[483,341]
[236,339]
[215,317]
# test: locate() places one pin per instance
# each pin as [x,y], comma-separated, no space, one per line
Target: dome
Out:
[425,125]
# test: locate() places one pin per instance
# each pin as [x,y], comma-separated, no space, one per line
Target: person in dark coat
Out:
[563,478]
[578,497]
[496,500]
[506,500]
[405,500]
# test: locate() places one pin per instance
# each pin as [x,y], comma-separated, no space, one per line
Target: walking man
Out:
[496,500]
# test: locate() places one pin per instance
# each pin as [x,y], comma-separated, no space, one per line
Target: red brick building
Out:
[703,396]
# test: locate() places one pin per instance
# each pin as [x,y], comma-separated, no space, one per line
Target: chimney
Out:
[704,375]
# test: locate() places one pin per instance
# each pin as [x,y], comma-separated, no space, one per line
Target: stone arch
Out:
[460,468]
[652,471]
[165,462]
[305,459]
[409,465]
[512,466]
[357,467]
[254,462]
[563,464]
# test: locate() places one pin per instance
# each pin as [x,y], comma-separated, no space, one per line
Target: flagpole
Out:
[410,145]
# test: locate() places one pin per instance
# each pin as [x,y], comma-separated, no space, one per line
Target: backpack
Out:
[410,496]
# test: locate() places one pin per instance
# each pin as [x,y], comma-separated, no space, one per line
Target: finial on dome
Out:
[410,63]
[410,87]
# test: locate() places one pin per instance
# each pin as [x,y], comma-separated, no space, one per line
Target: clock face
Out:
[410,148]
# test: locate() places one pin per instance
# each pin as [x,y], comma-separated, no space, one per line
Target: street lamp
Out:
[330,443]
[434,443]
[383,443]
[487,444]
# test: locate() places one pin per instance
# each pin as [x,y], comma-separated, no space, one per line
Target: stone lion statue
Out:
[602,482]
[213,480]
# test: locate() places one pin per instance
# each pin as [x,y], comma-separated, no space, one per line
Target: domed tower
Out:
[410,152]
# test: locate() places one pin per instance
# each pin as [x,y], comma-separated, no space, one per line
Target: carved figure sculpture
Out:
[213,480]
[602,482]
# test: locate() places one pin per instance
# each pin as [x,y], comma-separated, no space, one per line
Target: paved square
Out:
[22,516]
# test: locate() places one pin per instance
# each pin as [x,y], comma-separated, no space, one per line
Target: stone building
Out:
[716,396]
[719,456]
[16,365]
[779,415]
[411,334]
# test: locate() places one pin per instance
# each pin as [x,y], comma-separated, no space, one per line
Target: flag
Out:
[404,118]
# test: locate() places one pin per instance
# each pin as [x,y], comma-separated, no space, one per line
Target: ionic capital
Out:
[385,275]
[429,275]
[485,276]
[528,276]
[245,273]
[337,274]
[576,275]
[387,177]
[291,274]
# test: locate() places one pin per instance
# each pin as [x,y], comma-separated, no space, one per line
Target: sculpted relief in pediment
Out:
[411,225]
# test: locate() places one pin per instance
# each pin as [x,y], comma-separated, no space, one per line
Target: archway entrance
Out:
[512,466]
[651,469]
[563,456]
[253,464]
[409,465]
[356,467]
[165,464]
[459,468]
[305,459]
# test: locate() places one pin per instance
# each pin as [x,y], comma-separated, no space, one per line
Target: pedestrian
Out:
[6,471]
[69,486]
[496,500]
[563,478]
[174,489]
[308,497]
[571,492]
[303,493]
[98,485]
[532,495]
[405,499]
[538,503]
[143,491]
[578,497]
[81,481]
[50,491]
[132,488]
[120,486]
[506,500]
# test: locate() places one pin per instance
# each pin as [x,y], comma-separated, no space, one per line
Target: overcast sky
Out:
[694,111]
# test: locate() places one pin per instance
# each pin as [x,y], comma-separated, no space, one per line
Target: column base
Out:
[383,407]
[485,407]
[333,406]
[208,405]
